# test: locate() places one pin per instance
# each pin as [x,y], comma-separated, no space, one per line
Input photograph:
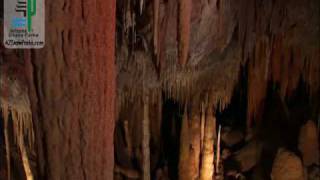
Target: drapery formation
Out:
[274,39]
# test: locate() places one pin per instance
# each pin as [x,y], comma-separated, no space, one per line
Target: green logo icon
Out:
[31,11]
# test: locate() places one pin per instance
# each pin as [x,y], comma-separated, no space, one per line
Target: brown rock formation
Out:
[72,91]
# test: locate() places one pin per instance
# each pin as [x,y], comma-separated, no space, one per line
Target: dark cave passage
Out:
[171,130]
[235,114]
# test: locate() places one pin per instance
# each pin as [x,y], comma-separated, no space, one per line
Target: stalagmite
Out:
[309,143]
[218,150]
[287,166]
[207,163]
[203,121]
[184,148]
[127,136]
[194,147]
[185,7]
[146,140]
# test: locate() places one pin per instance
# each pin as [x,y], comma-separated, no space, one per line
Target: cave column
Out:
[184,147]
[195,145]
[190,142]
[72,91]
[146,139]
[207,162]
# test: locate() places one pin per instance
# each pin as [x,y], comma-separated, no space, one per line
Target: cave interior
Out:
[182,90]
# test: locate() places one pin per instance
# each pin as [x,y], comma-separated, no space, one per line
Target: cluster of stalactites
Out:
[21,117]
[277,46]
[21,120]
[284,66]
[280,48]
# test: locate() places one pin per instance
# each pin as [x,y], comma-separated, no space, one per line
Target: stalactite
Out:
[146,139]
[15,103]
[22,126]
[156,4]
[141,6]
[185,7]
[130,23]
[207,162]
[25,159]
[5,113]
[257,84]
